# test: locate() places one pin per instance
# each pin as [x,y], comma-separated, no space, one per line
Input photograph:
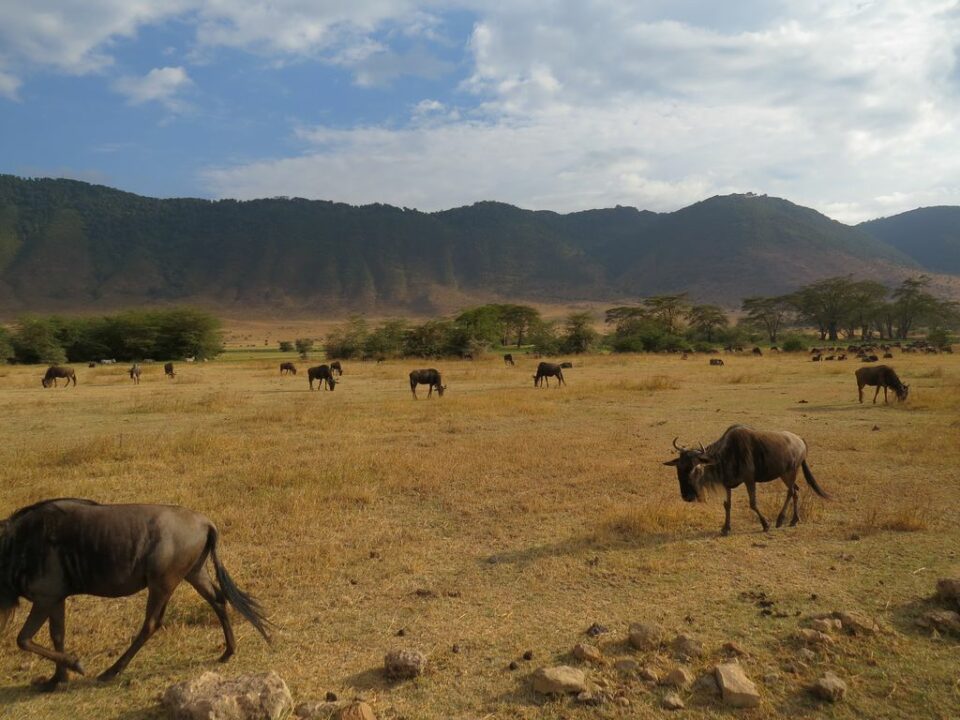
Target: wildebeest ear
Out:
[673,463]
[705,459]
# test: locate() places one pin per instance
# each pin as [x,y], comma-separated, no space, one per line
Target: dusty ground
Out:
[521,516]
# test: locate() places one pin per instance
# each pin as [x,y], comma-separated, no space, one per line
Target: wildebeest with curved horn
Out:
[168,370]
[547,370]
[336,367]
[323,376]
[135,373]
[743,455]
[429,377]
[882,376]
[57,371]
[58,548]
[288,367]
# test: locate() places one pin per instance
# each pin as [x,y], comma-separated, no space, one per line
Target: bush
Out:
[286,346]
[794,343]
[35,341]
[6,346]
[939,337]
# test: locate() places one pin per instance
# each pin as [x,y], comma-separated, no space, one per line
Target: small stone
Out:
[355,711]
[646,636]
[513,665]
[814,637]
[589,698]
[857,623]
[649,674]
[331,696]
[401,632]
[943,621]
[733,648]
[403,664]
[587,653]
[948,590]
[771,678]
[627,666]
[807,655]
[687,646]
[875,428]
[317,710]
[826,625]
[623,702]
[596,629]
[735,687]
[830,688]
[672,701]
[559,680]
[679,677]
[528,655]
[455,648]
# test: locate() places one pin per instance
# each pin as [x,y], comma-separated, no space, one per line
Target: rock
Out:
[679,677]
[672,701]
[857,623]
[733,648]
[596,629]
[559,680]
[623,702]
[317,710]
[943,621]
[830,687]
[402,664]
[948,590]
[807,655]
[649,674]
[771,678]
[735,687]
[355,711]
[646,636]
[814,637]
[706,683]
[826,625]
[331,696]
[627,666]
[589,698]
[513,665]
[587,653]
[261,696]
[687,646]
[528,655]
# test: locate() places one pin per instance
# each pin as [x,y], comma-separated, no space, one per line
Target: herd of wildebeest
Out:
[57,548]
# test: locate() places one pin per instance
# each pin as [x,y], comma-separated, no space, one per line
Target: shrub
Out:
[286,346]
[793,343]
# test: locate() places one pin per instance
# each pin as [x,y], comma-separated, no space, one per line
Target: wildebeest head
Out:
[690,466]
[902,392]
[440,389]
[46,382]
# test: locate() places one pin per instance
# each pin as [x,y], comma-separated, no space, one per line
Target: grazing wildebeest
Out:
[566,365]
[428,377]
[545,371]
[288,367]
[56,371]
[869,358]
[508,360]
[748,456]
[757,351]
[881,376]
[135,373]
[323,376]
[91,364]
[58,548]
[336,367]
[842,356]
[716,361]
[817,358]
[888,355]
[168,370]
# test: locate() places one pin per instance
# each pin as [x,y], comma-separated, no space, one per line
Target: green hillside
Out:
[930,236]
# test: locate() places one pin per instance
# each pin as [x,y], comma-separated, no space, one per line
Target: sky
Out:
[847,106]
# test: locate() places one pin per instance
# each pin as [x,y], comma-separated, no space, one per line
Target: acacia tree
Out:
[770,313]
[912,305]
[668,309]
[706,320]
[827,304]
[579,335]
[866,302]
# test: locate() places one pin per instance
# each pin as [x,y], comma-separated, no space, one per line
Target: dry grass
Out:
[529,514]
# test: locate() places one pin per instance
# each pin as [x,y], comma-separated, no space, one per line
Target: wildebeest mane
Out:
[43,503]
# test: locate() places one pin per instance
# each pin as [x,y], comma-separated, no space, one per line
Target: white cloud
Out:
[159,85]
[9,86]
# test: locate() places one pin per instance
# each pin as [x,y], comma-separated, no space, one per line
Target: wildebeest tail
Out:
[245,604]
[812,481]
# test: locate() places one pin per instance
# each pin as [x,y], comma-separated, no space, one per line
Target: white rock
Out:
[263,696]
[735,687]
[559,680]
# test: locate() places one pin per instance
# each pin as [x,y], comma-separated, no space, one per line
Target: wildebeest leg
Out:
[790,480]
[157,598]
[39,614]
[430,391]
[726,509]
[884,394]
[752,493]
[57,636]
[208,591]
[875,395]
[860,392]
[796,511]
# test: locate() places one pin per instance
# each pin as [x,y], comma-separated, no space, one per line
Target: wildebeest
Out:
[716,361]
[54,549]
[747,456]
[545,371]
[336,367]
[888,355]
[757,351]
[428,377]
[817,358]
[168,370]
[135,373]
[508,360]
[288,367]
[881,376]
[869,358]
[323,376]
[57,371]
[91,364]
[566,365]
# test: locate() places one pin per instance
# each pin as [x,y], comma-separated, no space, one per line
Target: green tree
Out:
[828,304]
[706,321]
[913,305]
[286,346]
[6,346]
[347,341]
[769,313]
[35,341]
[304,346]
[579,335]
[668,309]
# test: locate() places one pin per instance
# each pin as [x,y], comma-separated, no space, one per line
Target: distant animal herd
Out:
[58,548]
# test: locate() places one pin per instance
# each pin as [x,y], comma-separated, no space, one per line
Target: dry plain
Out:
[502,518]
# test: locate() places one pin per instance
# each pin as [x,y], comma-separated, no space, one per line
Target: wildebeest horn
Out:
[676,447]
[702,449]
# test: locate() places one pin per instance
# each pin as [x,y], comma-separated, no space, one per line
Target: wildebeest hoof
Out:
[46,685]
[107,675]
[74,664]
[227,654]
[725,531]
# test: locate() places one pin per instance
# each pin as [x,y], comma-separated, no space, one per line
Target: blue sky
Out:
[847,106]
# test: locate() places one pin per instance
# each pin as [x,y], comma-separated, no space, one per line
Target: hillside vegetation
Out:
[931,236]
[70,245]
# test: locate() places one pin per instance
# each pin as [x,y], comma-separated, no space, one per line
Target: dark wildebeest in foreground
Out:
[323,376]
[747,456]
[545,371]
[716,361]
[168,370]
[508,360]
[288,367]
[336,367]
[58,548]
[882,376]
[428,377]
[135,373]
[54,372]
